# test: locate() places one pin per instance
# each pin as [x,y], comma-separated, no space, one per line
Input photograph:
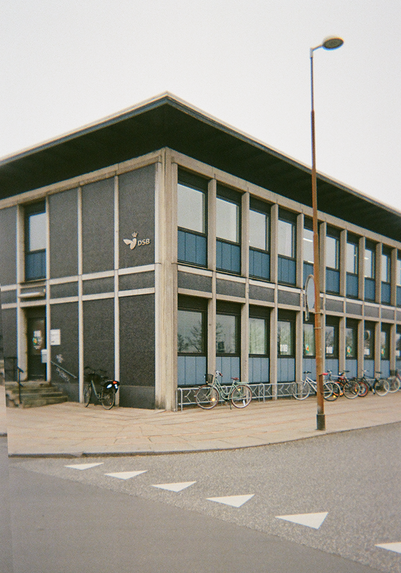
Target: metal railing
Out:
[261,391]
[63,373]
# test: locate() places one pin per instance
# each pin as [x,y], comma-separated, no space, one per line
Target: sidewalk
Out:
[70,429]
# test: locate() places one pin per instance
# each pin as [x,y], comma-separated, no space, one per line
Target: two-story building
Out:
[161,244]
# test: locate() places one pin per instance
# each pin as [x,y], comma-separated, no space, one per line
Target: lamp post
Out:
[330,43]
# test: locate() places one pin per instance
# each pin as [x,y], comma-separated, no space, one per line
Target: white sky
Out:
[67,63]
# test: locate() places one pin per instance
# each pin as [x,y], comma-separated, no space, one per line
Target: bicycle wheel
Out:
[300,390]
[393,384]
[363,389]
[207,397]
[351,389]
[107,398]
[87,393]
[331,391]
[381,387]
[241,396]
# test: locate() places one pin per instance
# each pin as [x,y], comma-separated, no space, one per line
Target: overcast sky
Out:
[67,63]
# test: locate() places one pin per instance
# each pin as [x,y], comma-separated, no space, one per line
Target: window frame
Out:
[33,210]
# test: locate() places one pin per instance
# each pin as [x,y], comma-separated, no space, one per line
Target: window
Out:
[285,339]
[227,334]
[333,261]
[258,339]
[309,340]
[191,215]
[352,258]
[308,249]
[331,338]
[385,342]
[35,241]
[398,279]
[369,342]
[351,338]
[398,343]
[191,332]
[370,271]
[386,276]
[286,245]
[259,230]
[228,225]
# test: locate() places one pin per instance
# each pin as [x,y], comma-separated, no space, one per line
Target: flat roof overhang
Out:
[166,121]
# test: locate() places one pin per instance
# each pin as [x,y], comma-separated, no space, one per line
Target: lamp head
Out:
[331,43]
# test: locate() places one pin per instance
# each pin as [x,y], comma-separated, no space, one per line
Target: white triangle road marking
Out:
[126,475]
[84,466]
[175,486]
[391,546]
[313,520]
[233,500]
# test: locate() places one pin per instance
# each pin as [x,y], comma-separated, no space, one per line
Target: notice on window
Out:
[55,337]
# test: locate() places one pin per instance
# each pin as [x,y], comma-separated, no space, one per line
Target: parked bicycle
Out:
[302,389]
[394,382]
[349,388]
[237,393]
[378,386]
[108,388]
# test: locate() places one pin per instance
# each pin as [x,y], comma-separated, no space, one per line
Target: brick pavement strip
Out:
[69,428]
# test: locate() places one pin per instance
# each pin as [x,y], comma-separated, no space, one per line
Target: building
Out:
[160,244]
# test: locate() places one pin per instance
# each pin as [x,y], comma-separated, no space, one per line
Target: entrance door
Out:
[36,343]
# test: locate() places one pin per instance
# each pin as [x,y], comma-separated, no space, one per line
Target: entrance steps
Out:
[33,394]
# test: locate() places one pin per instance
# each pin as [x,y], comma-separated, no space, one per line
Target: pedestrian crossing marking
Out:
[313,520]
[126,475]
[391,546]
[233,500]
[84,466]
[175,486]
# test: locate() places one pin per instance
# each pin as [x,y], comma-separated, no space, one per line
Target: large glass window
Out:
[191,218]
[308,253]
[351,340]
[191,209]
[369,342]
[259,231]
[352,257]
[286,246]
[286,239]
[258,339]
[191,332]
[331,338]
[385,342]
[398,344]
[35,241]
[386,276]
[332,252]
[227,220]
[227,334]
[309,340]
[370,271]
[398,279]
[333,261]
[285,338]
[228,231]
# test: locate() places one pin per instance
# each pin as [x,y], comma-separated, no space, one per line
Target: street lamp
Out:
[330,43]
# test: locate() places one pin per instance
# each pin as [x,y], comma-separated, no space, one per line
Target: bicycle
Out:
[349,388]
[378,386]
[108,388]
[302,389]
[394,382]
[208,395]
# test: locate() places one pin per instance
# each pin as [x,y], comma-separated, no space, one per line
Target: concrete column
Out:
[245,202]
[273,351]
[322,243]
[343,266]
[300,251]
[393,277]
[211,314]
[166,282]
[378,272]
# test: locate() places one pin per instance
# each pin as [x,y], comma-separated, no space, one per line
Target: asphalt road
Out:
[66,519]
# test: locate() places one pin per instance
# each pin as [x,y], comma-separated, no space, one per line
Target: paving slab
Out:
[70,429]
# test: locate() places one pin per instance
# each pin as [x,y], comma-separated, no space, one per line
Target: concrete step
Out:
[33,394]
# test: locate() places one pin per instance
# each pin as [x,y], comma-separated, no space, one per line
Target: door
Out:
[36,343]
